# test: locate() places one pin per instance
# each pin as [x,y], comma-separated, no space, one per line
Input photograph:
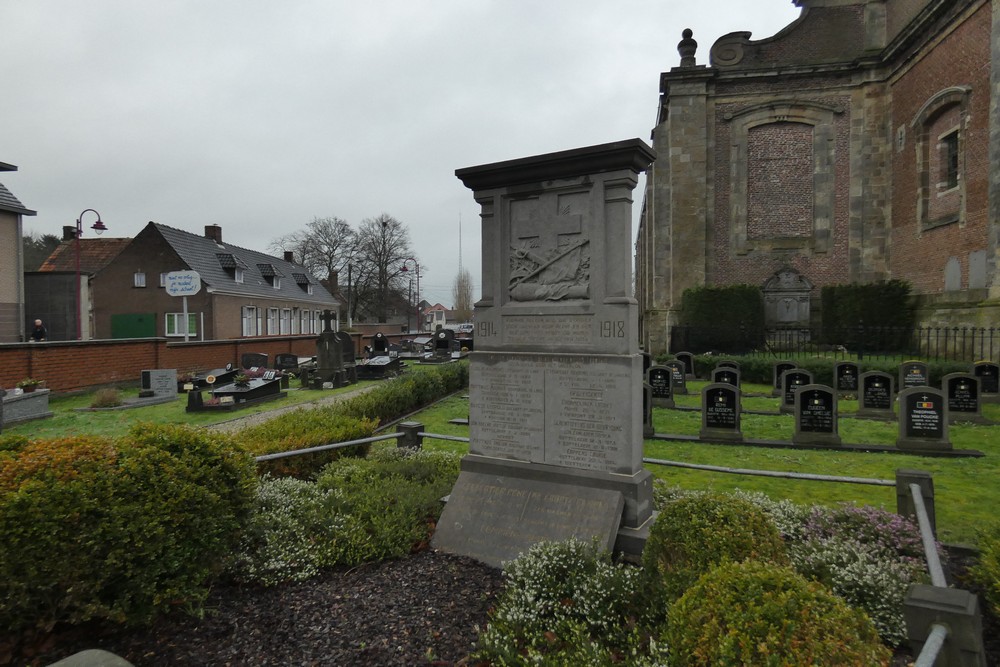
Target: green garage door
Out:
[133,325]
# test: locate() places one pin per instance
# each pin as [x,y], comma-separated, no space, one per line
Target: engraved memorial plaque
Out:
[678,376]
[923,419]
[776,371]
[875,400]
[962,391]
[720,412]
[791,382]
[913,374]
[660,380]
[845,377]
[816,416]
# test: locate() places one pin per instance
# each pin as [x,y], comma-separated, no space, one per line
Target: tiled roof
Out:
[95,254]
[8,202]
[300,278]
[268,271]
[205,256]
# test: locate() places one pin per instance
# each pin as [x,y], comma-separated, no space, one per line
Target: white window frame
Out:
[171,320]
[272,321]
[163,279]
[285,321]
[238,275]
[139,279]
[317,321]
[296,321]
[276,282]
[250,317]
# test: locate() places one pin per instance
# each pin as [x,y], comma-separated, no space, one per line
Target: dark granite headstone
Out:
[816,420]
[913,374]
[661,386]
[923,419]
[687,359]
[678,376]
[962,392]
[329,361]
[380,345]
[726,375]
[791,381]
[720,412]
[777,369]
[728,363]
[988,373]
[251,359]
[347,354]
[876,397]
[286,362]
[845,377]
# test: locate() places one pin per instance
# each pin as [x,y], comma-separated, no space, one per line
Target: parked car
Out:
[468,328]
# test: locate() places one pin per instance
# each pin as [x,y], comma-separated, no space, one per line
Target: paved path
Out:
[239,423]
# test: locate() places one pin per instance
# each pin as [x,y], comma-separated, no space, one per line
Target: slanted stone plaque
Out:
[678,376]
[726,375]
[791,382]
[777,369]
[720,412]
[816,416]
[845,377]
[913,374]
[989,380]
[556,376]
[923,419]
[962,392]
[687,359]
[661,384]
[877,397]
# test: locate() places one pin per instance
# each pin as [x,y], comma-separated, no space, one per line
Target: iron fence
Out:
[858,342]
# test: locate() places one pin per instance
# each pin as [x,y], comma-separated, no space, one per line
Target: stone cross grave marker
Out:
[988,373]
[923,419]
[777,369]
[720,412]
[816,415]
[791,381]
[845,377]
[877,397]
[913,374]
[962,393]
[556,377]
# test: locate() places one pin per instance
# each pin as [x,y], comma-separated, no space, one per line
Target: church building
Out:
[861,143]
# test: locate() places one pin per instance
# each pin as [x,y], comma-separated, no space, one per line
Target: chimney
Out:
[213,232]
[289,256]
[69,233]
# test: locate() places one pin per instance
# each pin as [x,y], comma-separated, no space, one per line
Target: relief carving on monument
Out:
[549,259]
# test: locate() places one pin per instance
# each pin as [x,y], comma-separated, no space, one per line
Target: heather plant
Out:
[567,603]
[108,397]
[986,571]
[755,613]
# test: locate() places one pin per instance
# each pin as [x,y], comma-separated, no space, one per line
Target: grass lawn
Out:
[967,490]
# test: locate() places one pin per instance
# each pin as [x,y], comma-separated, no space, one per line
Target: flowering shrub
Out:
[987,570]
[566,603]
[755,613]
[108,397]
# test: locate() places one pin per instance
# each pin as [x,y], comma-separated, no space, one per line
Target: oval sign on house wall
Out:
[182,283]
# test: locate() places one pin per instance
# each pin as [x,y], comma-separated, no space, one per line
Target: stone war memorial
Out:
[556,377]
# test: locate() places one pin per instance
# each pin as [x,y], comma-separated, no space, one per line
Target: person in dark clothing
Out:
[39,333]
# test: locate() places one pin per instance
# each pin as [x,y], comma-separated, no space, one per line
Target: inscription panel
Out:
[542,330]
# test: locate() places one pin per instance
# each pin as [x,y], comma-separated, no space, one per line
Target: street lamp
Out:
[404,269]
[99,228]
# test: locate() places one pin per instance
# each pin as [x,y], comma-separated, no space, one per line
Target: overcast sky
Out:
[260,115]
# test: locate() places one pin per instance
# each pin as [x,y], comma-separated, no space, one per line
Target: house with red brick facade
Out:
[853,146]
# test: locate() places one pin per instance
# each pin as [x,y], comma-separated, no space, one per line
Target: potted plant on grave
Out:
[241,380]
[28,385]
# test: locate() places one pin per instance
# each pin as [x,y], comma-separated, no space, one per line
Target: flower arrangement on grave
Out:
[28,384]
[242,380]
[255,372]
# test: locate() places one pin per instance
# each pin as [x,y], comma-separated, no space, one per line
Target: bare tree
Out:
[383,244]
[461,294]
[324,246]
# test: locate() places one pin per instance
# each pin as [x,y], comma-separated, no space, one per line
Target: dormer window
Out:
[238,275]
[232,265]
[302,280]
[270,274]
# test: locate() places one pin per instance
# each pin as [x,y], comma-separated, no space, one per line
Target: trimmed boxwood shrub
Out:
[885,309]
[695,533]
[986,571]
[96,528]
[728,319]
[755,613]
[302,429]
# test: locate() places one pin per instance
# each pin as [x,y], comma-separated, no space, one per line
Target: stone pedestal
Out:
[556,376]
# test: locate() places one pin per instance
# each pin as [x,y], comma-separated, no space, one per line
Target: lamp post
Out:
[99,228]
[405,269]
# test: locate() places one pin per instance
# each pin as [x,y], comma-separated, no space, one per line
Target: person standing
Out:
[39,333]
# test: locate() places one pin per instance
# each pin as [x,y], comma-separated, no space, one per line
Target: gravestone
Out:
[678,376]
[160,383]
[877,396]
[923,420]
[647,411]
[348,350]
[725,375]
[443,342]
[777,369]
[845,377]
[378,368]
[962,393]
[816,420]
[286,362]
[687,359]
[913,374]
[720,412]
[728,363]
[988,373]
[660,381]
[791,381]
[251,359]
[555,381]
[786,299]
[329,356]
[380,345]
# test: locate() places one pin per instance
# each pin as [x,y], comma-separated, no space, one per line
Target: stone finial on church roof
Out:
[686,47]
